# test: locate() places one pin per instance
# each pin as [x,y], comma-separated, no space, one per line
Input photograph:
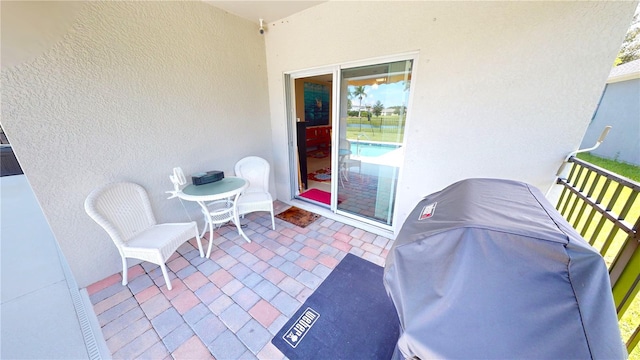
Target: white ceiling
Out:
[270,11]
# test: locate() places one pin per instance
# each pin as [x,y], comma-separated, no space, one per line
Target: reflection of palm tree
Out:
[359,92]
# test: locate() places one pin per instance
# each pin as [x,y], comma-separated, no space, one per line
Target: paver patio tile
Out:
[104,283]
[259,267]
[290,269]
[114,312]
[208,293]
[208,267]
[291,256]
[195,281]
[111,301]
[285,303]
[306,263]
[278,260]
[371,248]
[177,337]
[140,283]
[232,287]
[296,246]
[234,317]
[155,306]
[185,302]
[341,246]
[266,289]
[356,233]
[192,349]
[106,292]
[120,323]
[264,254]
[147,293]
[254,336]
[186,272]
[322,271]
[357,252]
[166,322]
[246,298]
[248,355]
[221,278]
[290,286]
[304,295]
[277,324]
[227,346]
[177,264]
[269,351]
[249,258]
[227,261]
[177,286]
[309,252]
[240,271]
[208,328]
[128,334]
[252,280]
[274,275]
[309,280]
[196,314]
[219,305]
[139,345]
[156,351]
[264,313]
[251,247]
[368,237]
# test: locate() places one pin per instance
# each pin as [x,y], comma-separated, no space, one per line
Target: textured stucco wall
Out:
[108,91]
[620,108]
[501,89]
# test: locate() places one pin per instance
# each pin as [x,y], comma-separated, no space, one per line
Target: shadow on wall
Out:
[8,162]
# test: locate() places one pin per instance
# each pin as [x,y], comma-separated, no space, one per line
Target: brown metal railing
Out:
[605,209]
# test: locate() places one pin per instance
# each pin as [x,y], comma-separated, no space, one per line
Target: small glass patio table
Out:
[229,187]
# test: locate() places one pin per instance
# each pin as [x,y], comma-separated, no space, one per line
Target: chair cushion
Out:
[254,197]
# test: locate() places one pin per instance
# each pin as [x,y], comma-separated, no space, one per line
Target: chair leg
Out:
[273,221]
[166,276]
[199,240]
[125,278]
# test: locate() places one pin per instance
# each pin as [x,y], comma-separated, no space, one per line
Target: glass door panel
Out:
[372,119]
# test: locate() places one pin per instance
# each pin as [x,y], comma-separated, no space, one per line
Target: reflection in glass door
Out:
[373,108]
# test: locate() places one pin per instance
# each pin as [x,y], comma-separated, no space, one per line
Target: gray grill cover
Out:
[496,272]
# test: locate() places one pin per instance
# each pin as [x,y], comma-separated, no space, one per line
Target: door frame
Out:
[290,110]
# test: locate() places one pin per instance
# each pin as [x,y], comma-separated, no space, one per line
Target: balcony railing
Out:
[605,209]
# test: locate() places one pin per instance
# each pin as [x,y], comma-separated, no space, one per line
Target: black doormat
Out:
[349,316]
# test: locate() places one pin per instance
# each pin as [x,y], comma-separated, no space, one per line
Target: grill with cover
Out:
[487,268]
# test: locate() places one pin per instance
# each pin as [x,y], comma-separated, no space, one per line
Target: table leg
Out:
[236,219]
[209,222]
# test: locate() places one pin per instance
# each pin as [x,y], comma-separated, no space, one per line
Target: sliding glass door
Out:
[346,126]
[369,148]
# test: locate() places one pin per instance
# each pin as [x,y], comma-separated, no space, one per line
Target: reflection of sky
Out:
[388,94]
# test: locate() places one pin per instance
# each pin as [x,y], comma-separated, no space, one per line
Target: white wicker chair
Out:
[346,162]
[124,211]
[256,197]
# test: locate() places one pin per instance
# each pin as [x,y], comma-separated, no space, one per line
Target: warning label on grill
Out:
[301,327]
[428,211]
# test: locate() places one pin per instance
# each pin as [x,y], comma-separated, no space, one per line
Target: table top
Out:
[224,188]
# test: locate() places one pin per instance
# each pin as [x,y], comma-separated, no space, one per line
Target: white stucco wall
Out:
[501,89]
[95,92]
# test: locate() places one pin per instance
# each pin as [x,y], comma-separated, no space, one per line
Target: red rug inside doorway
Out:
[319,196]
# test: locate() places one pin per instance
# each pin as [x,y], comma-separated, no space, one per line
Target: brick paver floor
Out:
[231,305]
